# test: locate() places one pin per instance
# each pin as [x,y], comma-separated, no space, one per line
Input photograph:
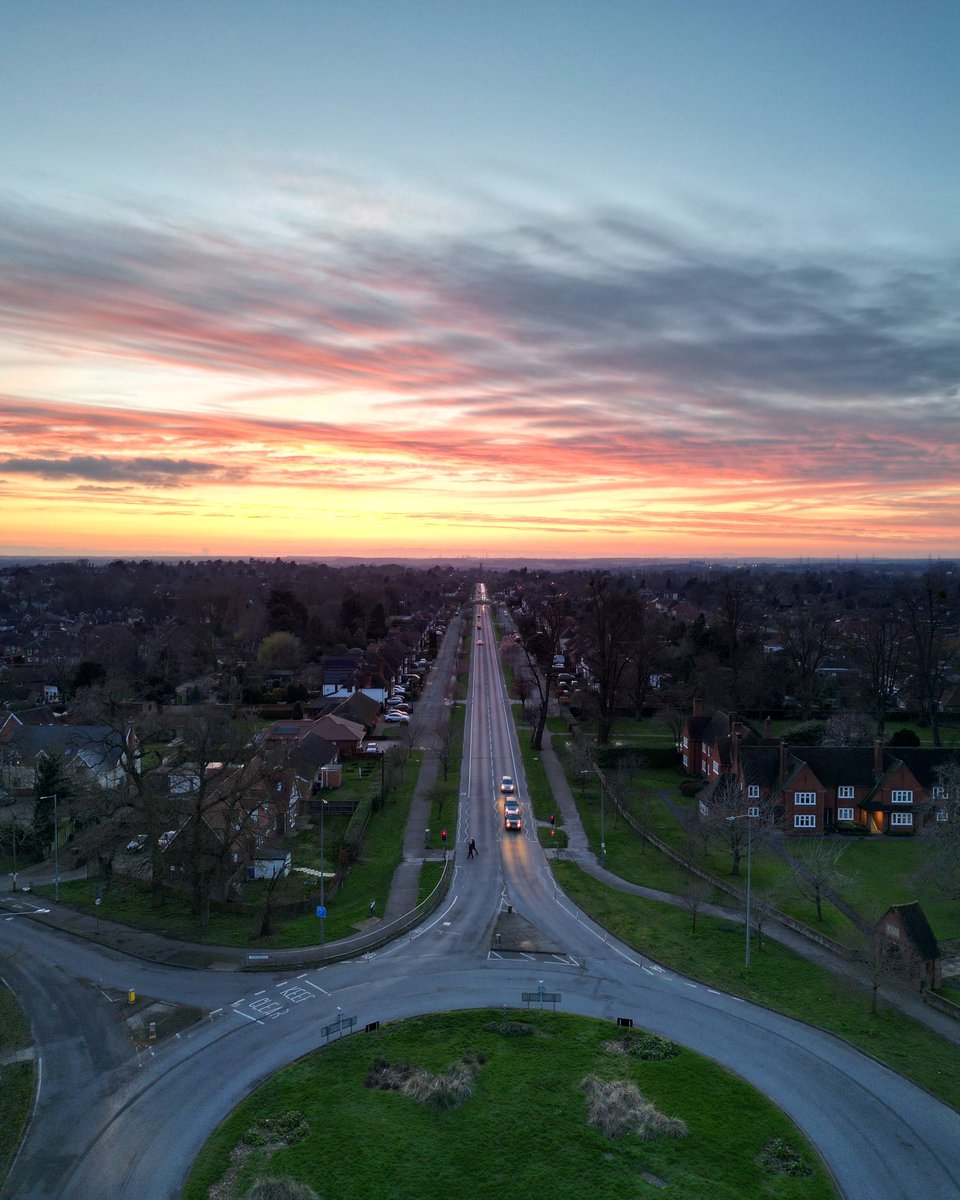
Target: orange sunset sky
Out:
[615,284]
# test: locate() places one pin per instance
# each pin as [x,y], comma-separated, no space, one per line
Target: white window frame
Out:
[942,814]
[804,820]
[685,744]
[901,818]
[901,796]
[940,792]
[845,791]
[753,791]
[753,810]
[801,798]
[716,767]
[844,814]
[686,761]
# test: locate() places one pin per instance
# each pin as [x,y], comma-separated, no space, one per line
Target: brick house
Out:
[810,789]
[908,941]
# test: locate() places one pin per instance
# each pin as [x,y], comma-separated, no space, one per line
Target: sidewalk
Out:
[579,851]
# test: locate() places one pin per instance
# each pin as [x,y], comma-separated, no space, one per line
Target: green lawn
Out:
[522,1133]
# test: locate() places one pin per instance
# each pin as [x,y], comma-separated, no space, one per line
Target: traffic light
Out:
[443,836]
[553,833]
[553,819]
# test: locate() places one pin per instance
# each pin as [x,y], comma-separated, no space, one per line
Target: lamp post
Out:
[749,820]
[56,847]
[323,870]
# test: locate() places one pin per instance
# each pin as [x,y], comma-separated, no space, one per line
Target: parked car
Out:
[371,748]
[135,845]
[397,718]
[166,838]
[511,815]
[507,785]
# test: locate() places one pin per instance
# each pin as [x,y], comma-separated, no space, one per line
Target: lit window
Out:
[901,818]
[804,797]
[805,821]
[901,797]
[844,814]
[845,792]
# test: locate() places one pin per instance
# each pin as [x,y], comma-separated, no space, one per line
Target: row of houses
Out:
[807,790]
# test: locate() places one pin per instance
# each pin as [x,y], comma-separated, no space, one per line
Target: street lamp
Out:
[56,847]
[749,819]
[323,865]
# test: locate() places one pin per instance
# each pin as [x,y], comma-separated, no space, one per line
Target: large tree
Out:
[608,629]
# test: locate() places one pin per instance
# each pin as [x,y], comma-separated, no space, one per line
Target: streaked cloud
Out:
[549,358]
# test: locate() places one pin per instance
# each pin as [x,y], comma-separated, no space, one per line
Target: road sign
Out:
[321,910]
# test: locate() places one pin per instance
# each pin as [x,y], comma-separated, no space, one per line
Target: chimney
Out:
[698,708]
[783,762]
[878,757]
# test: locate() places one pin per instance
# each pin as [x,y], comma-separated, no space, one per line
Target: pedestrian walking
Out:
[472,849]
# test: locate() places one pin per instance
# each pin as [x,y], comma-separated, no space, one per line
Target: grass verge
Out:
[778,978]
[16,1079]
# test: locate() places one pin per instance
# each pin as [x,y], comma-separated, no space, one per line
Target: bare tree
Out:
[875,644]
[608,626]
[541,635]
[926,617]
[727,804]
[940,870]
[815,868]
[849,729]
[694,893]
[808,635]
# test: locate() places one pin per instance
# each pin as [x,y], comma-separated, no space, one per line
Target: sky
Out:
[540,278]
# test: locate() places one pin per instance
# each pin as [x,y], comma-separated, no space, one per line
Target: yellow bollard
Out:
[131,997]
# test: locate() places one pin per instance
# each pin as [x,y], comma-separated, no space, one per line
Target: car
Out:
[479,641]
[511,815]
[397,718]
[164,840]
[396,702]
[135,845]
[371,748]
[506,785]
[478,624]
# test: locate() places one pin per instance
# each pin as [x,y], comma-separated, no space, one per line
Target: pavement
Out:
[514,932]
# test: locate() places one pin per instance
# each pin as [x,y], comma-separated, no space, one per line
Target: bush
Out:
[690,787]
[805,733]
[281,1189]
[509,1028]
[646,1046]
[778,1157]
[905,737]
[285,1129]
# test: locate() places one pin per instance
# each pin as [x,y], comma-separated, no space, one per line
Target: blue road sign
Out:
[321,911]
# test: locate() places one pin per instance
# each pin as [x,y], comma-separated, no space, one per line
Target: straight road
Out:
[111,1124]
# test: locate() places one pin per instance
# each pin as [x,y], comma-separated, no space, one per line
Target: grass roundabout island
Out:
[488,1104]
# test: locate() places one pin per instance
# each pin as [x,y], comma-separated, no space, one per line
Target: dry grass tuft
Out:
[617,1107]
[281,1189]
[646,1046]
[447,1091]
